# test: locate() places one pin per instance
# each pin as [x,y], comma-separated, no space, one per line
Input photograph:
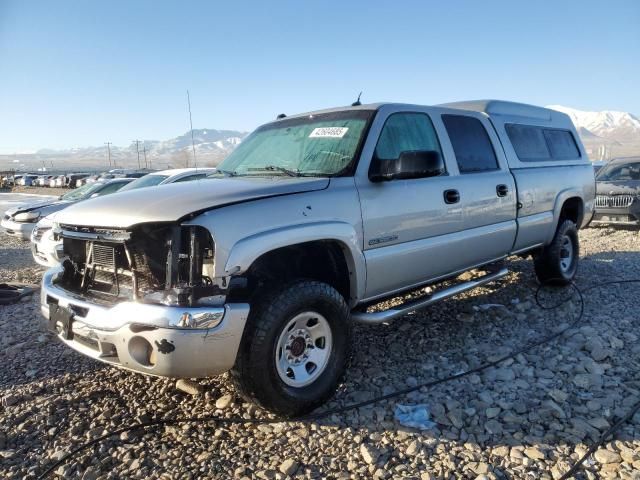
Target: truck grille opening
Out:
[169,261]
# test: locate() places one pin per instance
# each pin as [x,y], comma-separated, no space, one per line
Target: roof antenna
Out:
[357,102]
[282,115]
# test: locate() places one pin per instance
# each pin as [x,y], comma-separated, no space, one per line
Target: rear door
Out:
[487,187]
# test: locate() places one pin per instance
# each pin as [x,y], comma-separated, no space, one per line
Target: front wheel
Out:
[295,348]
[557,263]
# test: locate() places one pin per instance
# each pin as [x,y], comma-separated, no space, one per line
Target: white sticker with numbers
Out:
[328,132]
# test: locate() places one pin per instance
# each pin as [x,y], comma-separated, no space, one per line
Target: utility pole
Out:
[193,146]
[138,150]
[108,144]
[144,149]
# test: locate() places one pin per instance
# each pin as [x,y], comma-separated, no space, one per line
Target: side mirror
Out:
[410,164]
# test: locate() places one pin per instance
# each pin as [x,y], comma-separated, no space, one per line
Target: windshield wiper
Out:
[276,168]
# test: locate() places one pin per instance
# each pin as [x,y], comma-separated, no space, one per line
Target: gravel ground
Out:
[39,190]
[532,417]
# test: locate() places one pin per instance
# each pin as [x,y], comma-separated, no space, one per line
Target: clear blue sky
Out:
[82,73]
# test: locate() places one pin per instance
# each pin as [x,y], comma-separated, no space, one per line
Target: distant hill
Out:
[211,147]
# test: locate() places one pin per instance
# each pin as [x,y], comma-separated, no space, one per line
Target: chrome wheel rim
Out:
[566,254]
[303,349]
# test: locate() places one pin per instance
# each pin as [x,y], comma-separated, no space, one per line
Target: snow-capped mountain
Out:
[205,140]
[608,124]
[606,134]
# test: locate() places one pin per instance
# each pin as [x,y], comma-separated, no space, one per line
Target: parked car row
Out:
[115,173]
[12,180]
[69,180]
[34,221]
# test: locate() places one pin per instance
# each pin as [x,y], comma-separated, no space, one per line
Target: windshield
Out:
[316,145]
[81,192]
[146,181]
[620,171]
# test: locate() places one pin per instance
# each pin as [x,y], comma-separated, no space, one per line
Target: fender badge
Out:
[379,240]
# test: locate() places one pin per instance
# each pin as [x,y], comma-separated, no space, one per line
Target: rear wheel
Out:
[295,348]
[557,263]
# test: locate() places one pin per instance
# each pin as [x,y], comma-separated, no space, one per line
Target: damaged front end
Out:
[144,299]
[165,264]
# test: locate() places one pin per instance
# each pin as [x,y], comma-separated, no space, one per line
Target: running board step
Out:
[401,310]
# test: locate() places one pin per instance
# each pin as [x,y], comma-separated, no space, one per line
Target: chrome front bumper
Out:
[150,339]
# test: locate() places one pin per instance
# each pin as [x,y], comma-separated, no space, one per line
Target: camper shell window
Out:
[534,144]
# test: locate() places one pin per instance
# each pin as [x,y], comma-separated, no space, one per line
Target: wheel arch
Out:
[569,205]
[328,247]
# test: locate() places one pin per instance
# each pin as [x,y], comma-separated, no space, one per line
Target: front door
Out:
[406,222]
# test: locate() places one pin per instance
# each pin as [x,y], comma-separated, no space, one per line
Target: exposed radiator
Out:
[104,256]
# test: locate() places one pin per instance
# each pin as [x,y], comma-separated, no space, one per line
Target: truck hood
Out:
[621,187]
[168,203]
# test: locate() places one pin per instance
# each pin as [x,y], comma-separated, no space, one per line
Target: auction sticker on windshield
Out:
[328,132]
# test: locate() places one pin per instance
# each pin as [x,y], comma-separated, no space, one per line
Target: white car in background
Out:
[47,250]
[169,176]
[21,220]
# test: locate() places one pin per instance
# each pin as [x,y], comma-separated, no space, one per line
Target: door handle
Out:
[451,196]
[502,190]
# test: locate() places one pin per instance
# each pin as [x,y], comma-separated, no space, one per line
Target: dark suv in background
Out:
[618,192]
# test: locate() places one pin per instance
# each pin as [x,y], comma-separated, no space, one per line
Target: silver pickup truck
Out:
[261,268]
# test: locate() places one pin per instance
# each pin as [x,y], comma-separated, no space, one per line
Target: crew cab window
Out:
[471,144]
[533,144]
[406,132]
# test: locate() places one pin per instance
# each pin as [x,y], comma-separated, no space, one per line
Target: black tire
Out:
[255,373]
[557,264]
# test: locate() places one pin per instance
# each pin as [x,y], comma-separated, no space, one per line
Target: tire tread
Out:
[248,374]
[546,263]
